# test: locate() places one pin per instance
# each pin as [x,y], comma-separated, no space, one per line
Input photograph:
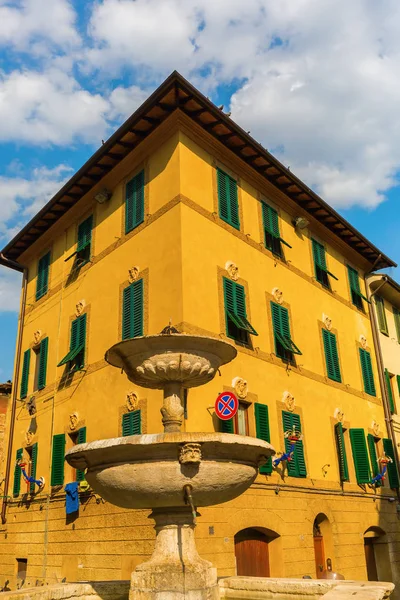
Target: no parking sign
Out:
[226,406]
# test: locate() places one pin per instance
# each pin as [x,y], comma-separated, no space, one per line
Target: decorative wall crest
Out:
[240,386]
[79,308]
[375,428]
[289,401]
[327,321]
[132,401]
[29,435]
[190,453]
[73,420]
[339,415]
[278,295]
[133,274]
[37,337]
[363,341]
[233,270]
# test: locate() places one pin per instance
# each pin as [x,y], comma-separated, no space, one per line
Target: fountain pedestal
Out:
[175,571]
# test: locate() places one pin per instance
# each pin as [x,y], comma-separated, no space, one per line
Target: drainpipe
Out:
[381,369]
[11,264]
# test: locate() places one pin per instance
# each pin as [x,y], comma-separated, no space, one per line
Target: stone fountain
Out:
[174,472]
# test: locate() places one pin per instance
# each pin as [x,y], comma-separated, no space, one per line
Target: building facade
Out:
[181,217]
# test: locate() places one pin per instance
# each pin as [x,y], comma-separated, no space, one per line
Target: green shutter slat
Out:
[85,233]
[380,310]
[297,466]
[43,352]
[132,423]
[34,457]
[134,202]
[360,455]
[226,426]
[263,432]
[17,473]
[389,391]
[341,452]
[372,454]
[42,282]
[228,199]
[331,355]
[392,467]
[25,374]
[81,439]
[57,459]
[132,310]
[396,315]
[367,373]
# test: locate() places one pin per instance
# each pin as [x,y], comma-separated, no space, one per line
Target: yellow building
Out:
[181,216]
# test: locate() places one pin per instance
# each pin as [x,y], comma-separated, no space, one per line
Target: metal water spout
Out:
[187,489]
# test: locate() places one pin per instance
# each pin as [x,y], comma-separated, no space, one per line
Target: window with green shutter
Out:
[42,281]
[331,355]
[41,364]
[396,316]
[360,455]
[272,237]
[367,374]
[284,345]
[57,460]
[392,467]
[83,250]
[341,453]
[32,472]
[227,426]
[320,269]
[134,202]
[263,432]
[81,439]
[132,423]
[389,392]
[237,325]
[25,374]
[17,473]
[75,358]
[380,311]
[132,310]
[297,465]
[356,296]
[373,456]
[228,199]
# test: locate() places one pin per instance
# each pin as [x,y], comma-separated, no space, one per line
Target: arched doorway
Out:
[252,551]
[377,558]
[323,545]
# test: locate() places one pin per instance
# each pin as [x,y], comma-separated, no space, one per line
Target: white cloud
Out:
[124,101]
[10,289]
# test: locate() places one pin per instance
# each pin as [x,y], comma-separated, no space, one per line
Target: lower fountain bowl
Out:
[150,471]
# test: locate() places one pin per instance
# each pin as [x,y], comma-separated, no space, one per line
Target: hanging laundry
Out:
[71,498]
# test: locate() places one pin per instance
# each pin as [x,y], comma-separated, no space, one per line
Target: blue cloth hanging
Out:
[71,498]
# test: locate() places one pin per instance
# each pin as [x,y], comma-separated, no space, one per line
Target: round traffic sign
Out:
[226,406]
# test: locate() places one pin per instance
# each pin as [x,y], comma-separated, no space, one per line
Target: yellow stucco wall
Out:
[181,250]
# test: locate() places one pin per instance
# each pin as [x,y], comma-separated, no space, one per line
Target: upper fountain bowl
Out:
[155,360]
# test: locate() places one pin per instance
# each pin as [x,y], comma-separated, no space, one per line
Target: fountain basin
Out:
[154,360]
[150,471]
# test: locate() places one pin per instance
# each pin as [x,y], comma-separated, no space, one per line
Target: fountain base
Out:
[175,571]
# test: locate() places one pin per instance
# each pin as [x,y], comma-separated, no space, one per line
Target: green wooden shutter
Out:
[132,310]
[297,466]
[81,439]
[331,355]
[34,457]
[25,374]
[228,199]
[389,391]
[134,202]
[226,426]
[43,352]
[380,311]
[354,279]
[372,454]
[42,281]
[360,455]
[57,459]
[392,467]
[81,340]
[263,432]
[73,342]
[132,423]
[396,315]
[398,382]
[282,336]
[85,233]
[236,323]
[367,373]
[17,473]
[319,255]
[270,220]
[341,452]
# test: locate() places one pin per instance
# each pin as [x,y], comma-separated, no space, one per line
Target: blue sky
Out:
[316,83]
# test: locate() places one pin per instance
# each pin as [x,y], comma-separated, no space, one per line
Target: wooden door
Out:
[370,559]
[319,554]
[251,551]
